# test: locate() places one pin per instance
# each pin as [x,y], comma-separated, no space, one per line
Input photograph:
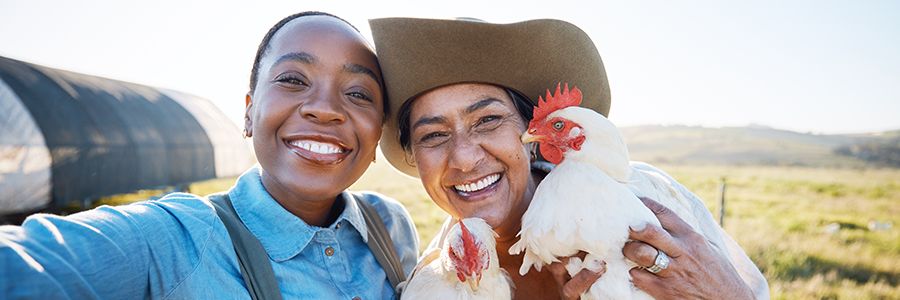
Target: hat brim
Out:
[530,57]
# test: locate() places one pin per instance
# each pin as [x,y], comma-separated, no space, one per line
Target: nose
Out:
[466,153]
[324,107]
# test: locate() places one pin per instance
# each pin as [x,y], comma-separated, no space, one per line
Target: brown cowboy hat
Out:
[530,57]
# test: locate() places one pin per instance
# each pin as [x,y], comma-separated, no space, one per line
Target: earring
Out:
[533,156]
[246,133]
[374,157]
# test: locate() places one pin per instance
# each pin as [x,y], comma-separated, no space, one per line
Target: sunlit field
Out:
[807,229]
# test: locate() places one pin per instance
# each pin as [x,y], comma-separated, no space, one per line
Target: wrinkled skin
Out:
[695,271]
[465,133]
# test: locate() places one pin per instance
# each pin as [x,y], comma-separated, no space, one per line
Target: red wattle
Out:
[551,153]
[577,142]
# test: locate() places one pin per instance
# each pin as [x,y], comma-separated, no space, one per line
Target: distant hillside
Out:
[759,145]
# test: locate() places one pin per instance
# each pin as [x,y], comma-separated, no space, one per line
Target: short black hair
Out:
[264,45]
[524,107]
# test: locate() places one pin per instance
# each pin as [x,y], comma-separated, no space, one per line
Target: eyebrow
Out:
[428,121]
[296,56]
[359,69]
[307,58]
[481,104]
[471,109]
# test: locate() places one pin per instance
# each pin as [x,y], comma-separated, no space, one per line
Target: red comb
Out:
[466,235]
[556,102]
[468,242]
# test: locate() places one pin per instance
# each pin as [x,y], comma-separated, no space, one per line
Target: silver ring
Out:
[662,262]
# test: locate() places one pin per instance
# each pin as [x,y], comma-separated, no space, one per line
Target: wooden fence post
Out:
[722,202]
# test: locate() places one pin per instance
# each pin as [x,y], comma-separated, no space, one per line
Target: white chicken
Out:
[590,198]
[467,267]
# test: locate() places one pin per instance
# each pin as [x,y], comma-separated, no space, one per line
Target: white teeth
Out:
[477,186]
[321,148]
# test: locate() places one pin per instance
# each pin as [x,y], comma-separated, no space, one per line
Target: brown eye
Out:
[558,125]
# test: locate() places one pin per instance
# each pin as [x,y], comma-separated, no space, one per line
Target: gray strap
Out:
[380,243]
[255,266]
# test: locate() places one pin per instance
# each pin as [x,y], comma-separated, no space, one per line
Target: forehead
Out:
[457,98]
[321,36]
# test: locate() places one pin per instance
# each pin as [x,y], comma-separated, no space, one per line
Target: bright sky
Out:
[804,65]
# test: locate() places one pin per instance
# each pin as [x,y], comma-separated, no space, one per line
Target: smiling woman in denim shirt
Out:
[314,113]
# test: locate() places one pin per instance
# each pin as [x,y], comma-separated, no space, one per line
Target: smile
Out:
[477,186]
[317,147]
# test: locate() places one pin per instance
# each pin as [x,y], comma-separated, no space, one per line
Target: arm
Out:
[141,250]
[695,270]
[96,254]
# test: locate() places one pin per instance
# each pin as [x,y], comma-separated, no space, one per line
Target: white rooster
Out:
[467,267]
[590,199]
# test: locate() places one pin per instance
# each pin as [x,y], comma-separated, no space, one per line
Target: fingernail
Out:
[639,227]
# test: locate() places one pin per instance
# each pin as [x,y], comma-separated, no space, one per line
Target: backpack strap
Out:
[255,266]
[380,243]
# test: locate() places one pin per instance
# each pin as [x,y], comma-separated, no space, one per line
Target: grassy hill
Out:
[751,145]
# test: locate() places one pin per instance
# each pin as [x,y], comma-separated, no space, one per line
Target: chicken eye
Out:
[558,125]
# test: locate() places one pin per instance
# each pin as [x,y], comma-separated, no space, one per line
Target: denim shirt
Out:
[177,248]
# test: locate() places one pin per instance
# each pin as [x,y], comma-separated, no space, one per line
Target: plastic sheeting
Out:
[106,137]
[232,156]
[24,157]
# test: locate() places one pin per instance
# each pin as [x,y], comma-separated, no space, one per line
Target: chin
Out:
[492,217]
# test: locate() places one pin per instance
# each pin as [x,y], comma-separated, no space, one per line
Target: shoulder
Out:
[438,240]
[387,207]
[186,209]
[399,224]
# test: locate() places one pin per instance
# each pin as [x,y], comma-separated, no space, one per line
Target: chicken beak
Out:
[528,138]
[473,281]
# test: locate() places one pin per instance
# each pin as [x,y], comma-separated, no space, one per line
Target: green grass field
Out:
[780,216]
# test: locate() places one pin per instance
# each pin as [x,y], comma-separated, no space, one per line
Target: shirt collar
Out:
[281,233]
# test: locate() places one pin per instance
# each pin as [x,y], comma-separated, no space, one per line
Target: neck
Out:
[607,154]
[320,213]
[508,231]
[604,146]
[315,213]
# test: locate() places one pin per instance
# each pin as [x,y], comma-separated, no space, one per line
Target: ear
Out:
[248,122]
[530,147]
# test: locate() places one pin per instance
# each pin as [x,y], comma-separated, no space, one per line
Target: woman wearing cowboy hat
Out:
[460,94]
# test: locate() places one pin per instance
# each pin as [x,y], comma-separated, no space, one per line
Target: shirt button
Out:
[329,251]
[338,225]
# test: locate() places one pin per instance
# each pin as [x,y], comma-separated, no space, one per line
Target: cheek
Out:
[269,112]
[509,149]
[367,120]
[366,125]
[428,162]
